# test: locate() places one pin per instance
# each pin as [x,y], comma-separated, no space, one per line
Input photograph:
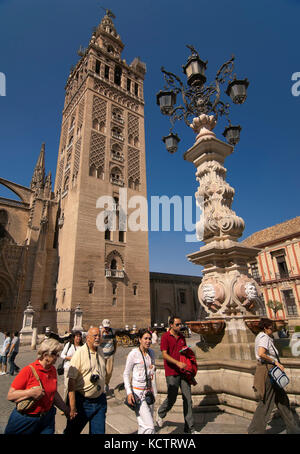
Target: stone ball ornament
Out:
[212,295]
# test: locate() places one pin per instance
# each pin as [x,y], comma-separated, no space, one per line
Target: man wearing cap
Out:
[108,345]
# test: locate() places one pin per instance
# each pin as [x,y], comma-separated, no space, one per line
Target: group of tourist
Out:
[87,371]
[10,349]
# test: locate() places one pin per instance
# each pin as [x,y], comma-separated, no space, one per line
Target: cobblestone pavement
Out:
[122,420]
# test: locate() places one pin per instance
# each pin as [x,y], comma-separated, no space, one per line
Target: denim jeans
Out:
[88,410]
[12,366]
[28,425]
[173,383]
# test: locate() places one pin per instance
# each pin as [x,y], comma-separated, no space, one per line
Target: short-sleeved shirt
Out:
[26,380]
[265,341]
[82,366]
[6,342]
[16,343]
[172,345]
[108,344]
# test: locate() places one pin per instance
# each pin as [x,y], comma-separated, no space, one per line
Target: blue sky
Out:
[39,42]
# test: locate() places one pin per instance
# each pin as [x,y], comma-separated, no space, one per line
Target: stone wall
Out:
[224,385]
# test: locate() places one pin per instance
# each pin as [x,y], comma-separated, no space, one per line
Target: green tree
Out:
[275,306]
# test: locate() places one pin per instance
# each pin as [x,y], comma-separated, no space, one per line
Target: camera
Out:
[94,378]
[149,398]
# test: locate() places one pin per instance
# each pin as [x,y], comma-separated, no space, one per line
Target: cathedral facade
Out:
[52,251]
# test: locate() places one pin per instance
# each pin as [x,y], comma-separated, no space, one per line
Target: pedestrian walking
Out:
[172,341]
[67,353]
[154,337]
[109,347]
[141,364]
[13,351]
[4,352]
[269,393]
[86,387]
[37,381]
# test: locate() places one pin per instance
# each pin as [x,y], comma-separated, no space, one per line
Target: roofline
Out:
[282,238]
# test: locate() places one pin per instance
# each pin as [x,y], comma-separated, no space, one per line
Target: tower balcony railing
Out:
[117,157]
[117,136]
[117,181]
[114,273]
[118,119]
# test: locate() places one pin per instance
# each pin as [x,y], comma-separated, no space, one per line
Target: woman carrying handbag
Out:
[34,391]
[268,391]
[141,363]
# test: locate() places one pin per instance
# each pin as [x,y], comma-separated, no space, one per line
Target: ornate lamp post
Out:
[227,292]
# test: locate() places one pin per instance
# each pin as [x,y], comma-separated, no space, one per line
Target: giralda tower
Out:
[102,150]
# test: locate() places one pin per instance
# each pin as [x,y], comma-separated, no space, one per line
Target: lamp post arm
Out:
[170,78]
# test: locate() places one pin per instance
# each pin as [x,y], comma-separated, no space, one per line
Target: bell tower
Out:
[102,150]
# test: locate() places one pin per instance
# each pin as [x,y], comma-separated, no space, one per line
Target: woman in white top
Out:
[135,365]
[67,353]
[269,393]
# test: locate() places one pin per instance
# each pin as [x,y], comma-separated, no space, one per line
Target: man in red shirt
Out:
[171,342]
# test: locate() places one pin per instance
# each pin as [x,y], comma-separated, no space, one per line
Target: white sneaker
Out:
[159,420]
[194,432]
[3,373]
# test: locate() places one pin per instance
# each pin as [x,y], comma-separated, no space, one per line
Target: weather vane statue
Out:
[109,13]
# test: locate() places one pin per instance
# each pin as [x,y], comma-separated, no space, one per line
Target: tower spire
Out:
[38,178]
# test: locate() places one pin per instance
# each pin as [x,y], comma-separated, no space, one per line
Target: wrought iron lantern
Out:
[237,90]
[166,101]
[232,134]
[200,98]
[195,70]
[171,141]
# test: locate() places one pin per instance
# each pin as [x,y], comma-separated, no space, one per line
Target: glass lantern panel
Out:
[166,101]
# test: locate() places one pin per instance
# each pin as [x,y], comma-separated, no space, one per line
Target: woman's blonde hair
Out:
[49,346]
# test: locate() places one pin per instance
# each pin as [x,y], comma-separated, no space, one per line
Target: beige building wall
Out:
[277,268]
[173,294]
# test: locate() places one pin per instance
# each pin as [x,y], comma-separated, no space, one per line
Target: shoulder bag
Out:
[24,405]
[137,402]
[149,396]
[277,376]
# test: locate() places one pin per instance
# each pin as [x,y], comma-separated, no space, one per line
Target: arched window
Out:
[96,124]
[116,176]
[113,264]
[130,139]
[130,183]
[118,75]
[102,126]
[92,172]
[100,173]
[136,142]
[136,185]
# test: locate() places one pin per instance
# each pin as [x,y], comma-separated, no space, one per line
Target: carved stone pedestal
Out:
[27,329]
